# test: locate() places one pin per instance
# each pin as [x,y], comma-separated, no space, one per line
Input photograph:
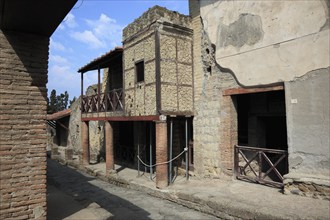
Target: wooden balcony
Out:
[105,102]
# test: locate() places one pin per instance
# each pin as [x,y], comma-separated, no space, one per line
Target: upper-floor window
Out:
[139,70]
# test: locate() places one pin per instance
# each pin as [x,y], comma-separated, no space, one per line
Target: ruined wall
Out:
[23,78]
[307,103]
[245,43]
[268,41]
[176,71]
[140,98]
[74,127]
[214,114]
[174,61]
[96,133]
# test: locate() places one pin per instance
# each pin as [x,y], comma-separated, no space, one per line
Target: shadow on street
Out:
[71,195]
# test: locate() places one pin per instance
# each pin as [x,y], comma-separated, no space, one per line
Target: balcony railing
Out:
[265,166]
[106,102]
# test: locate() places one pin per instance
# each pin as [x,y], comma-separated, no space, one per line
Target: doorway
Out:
[262,136]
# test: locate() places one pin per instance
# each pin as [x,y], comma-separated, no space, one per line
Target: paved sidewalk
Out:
[226,199]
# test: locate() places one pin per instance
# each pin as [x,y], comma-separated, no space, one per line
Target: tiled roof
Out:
[102,61]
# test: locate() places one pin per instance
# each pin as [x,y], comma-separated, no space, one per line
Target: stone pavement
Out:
[224,198]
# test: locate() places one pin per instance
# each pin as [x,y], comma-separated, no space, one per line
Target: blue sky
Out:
[92,28]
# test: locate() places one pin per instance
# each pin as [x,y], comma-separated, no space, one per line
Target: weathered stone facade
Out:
[162,40]
[247,44]
[23,70]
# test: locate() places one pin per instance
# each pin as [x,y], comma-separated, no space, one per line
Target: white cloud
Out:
[63,78]
[70,21]
[103,33]
[58,59]
[56,45]
[88,38]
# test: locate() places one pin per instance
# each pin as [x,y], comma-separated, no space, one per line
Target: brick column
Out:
[110,161]
[85,142]
[228,134]
[161,154]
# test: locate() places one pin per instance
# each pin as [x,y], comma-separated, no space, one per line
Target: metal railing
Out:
[261,165]
[107,102]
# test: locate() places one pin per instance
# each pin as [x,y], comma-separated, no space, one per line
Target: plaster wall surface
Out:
[264,42]
[307,104]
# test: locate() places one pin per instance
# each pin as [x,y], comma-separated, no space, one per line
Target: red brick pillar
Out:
[110,161]
[85,142]
[161,154]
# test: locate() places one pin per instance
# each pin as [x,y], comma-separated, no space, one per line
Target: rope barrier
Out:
[157,164]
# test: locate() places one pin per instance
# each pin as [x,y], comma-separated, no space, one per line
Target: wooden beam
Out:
[123,118]
[238,91]
[62,125]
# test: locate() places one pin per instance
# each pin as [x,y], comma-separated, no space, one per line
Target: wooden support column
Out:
[161,155]
[109,155]
[82,92]
[85,142]
[98,89]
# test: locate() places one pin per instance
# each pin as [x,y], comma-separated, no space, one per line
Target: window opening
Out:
[139,69]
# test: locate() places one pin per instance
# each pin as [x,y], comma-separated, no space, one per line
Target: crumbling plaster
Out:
[280,41]
[308,123]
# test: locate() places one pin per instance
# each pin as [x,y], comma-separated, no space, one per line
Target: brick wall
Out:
[23,78]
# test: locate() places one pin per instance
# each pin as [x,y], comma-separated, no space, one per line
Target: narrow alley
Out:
[74,195]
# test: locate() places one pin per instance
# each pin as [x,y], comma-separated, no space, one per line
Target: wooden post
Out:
[110,164]
[82,92]
[98,89]
[161,154]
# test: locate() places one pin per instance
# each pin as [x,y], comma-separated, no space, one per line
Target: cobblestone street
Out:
[73,195]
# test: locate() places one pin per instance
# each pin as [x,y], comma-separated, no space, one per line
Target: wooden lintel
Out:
[177,114]
[238,91]
[123,118]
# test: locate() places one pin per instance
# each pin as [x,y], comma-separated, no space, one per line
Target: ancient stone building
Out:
[261,79]
[25,28]
[147,105]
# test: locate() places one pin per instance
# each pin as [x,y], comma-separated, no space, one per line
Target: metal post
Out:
[171,150]
[236,172]
[138,158]
[260,165]
[187,159]
[150,155]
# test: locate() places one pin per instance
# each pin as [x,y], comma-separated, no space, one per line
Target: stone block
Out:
[168,47]
[149,72]
[185,96]
[169,98]
[168,72]
[184,50]
[185,74]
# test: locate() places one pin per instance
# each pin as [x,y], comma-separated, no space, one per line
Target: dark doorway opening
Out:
[262,124]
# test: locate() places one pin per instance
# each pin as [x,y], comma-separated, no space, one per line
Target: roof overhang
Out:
[102,61]
[58,115]
[40,17]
